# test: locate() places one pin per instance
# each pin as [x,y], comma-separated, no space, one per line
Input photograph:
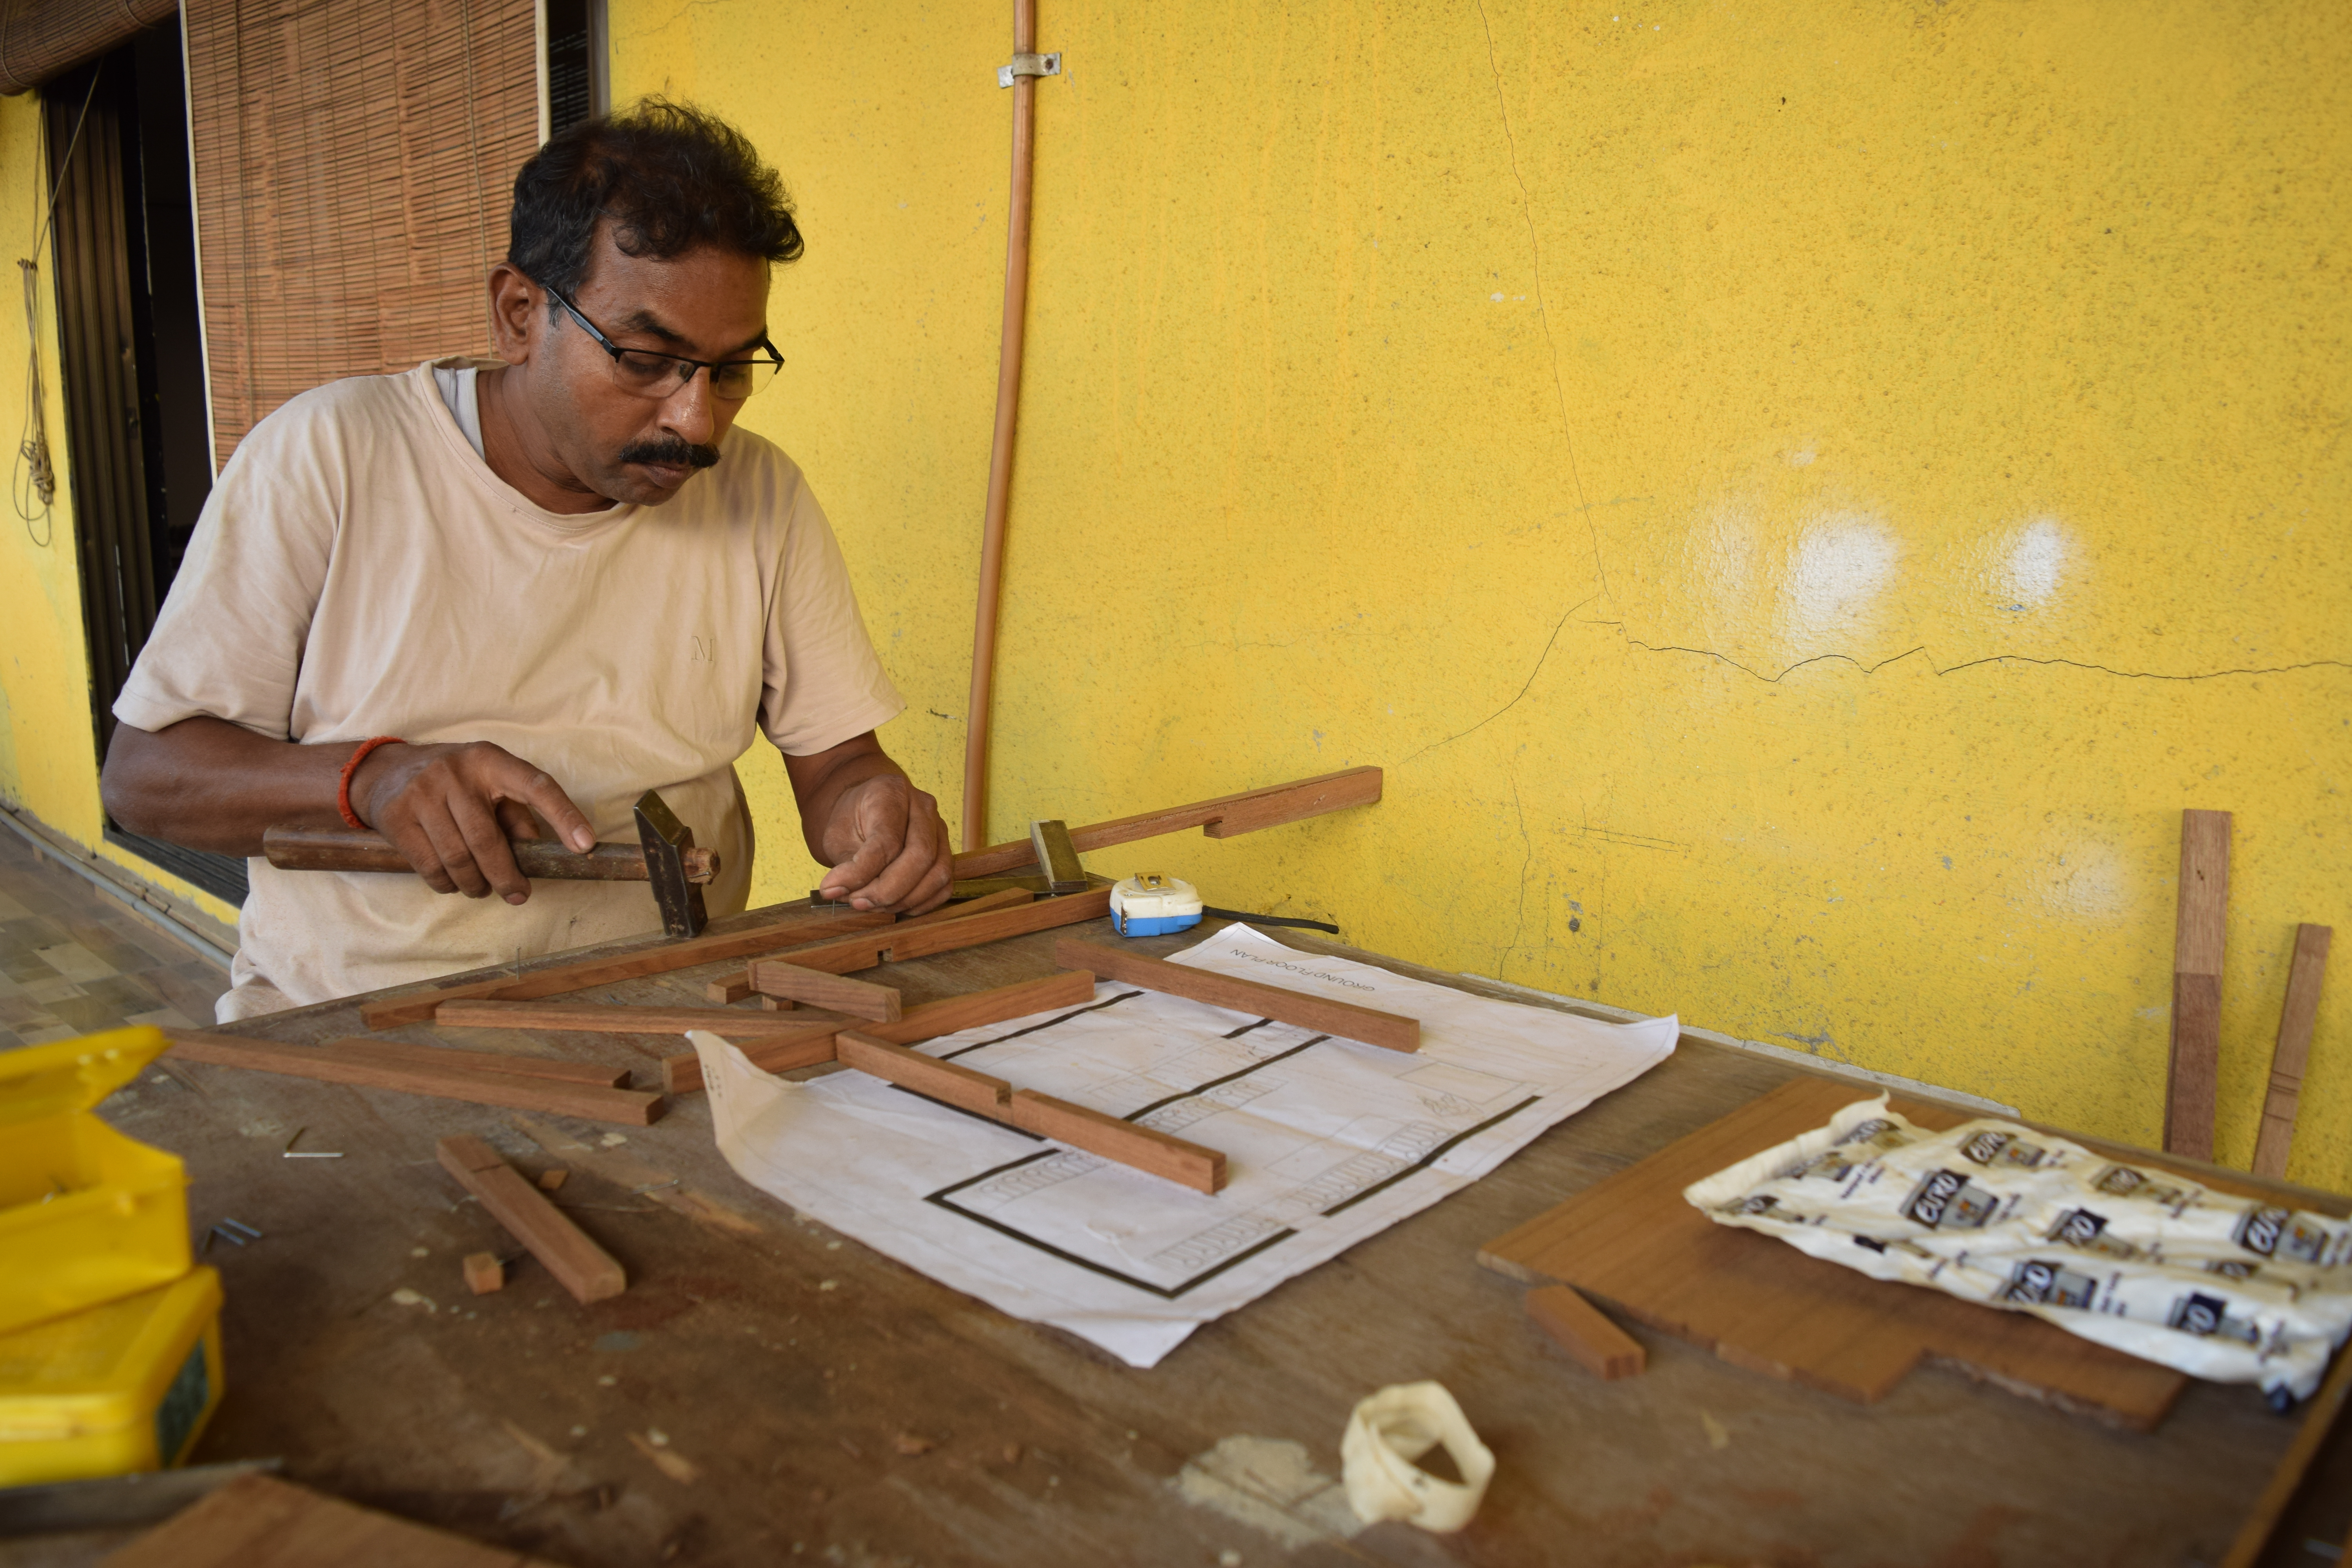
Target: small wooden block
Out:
[1158,1154]
[777,1003]
[725,993]
[484,1273]
[781,977]
[582,1266]
[552,1181]
[957,1085]
[1595,1343]
[1392,1031]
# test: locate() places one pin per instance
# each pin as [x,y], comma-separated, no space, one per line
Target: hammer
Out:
[664,855]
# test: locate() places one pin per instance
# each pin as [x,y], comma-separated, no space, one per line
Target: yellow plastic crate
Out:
[123,1387]
[86,1214]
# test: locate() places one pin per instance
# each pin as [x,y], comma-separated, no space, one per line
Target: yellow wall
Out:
[48,762]
[1798,499]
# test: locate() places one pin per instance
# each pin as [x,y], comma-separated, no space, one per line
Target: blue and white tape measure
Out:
[1149,904]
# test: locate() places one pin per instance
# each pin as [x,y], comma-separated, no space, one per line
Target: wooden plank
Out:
[1581,1329]
[958,1086]
[1222,818]
[1389,1030]
[582,1266]
[2326,1408]
[1631,1242]
[859,998]
[1070,988]
[736,987]
[366,1048]
[629,1106]
[611,1018]
[2293,1051]
[1043,915]
[1171,1159]
[416,1006]
[2192,1086]
[259,1521]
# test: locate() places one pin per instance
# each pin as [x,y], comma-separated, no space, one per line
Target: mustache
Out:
[671,452]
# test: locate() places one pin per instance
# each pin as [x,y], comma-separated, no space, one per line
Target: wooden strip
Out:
[416,1006]
[2293,1049]
[859,998]
[1070,988]
[736,987]
[1171,1159]
[1592,1341]
[2193,1086]
[605,1018]
[1043,915]
[365,1048]
[1222,817]
[2327,1407]
[958,1086]
[628,1106]
[1389,1030]
[582,1266]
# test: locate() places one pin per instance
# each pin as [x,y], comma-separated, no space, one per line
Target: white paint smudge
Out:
[1843,561]
[2036,563]
[1268,1483]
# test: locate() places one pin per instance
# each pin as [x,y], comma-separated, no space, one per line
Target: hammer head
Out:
[667,840]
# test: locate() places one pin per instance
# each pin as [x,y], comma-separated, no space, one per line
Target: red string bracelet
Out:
[344,784]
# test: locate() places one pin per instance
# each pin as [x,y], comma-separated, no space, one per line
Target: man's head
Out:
[658,225]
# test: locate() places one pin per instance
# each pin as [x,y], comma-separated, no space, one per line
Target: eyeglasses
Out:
[650,375]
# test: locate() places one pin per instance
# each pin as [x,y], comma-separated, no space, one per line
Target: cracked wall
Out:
[1797,497]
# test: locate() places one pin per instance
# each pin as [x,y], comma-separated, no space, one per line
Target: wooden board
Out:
[2193,1086]
[260,1522]
[1223,817]
[579,1265]
[401,1053]
[606,1019]
[858,998]
[1071,988]
[1389,1030]
[1631,1242]
[629,1106]
[2293,1051]
[416,1006]
[912,1069]
[1173,1159]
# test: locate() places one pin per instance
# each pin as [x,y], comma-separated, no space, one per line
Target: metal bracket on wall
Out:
[1029,64]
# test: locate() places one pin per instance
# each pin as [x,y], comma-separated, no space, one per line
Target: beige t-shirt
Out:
[360,570]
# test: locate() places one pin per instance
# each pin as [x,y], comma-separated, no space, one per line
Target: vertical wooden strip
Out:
[2294,1050]
[2199,927]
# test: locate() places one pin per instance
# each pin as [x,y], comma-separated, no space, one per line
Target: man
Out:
[498,601]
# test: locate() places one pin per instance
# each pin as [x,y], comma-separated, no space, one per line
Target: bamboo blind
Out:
[42,38]
[355,163]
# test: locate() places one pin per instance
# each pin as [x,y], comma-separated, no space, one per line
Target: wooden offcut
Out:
[579,1265]
[1171,1159]
[2192,1086]
[610,1018]
[259,1521]
[1392,1031]
[783,1053]
[787,981]
[1223,817]
[2292,1052]
[371,1070]
[1581,1329]
[912,1069]
[417,1006]
[1632,1243]
[484,1272]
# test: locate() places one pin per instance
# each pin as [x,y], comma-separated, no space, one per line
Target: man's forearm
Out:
[211,784]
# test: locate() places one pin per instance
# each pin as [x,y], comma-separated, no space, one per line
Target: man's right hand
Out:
[452,810]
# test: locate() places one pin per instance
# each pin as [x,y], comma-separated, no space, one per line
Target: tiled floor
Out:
[73,961]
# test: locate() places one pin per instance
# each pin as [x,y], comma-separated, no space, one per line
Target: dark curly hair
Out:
[669,177]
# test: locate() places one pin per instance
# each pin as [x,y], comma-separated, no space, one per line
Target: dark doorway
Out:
[575,56]
[130,347]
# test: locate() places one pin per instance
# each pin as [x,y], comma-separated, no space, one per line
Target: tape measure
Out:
[1147,904]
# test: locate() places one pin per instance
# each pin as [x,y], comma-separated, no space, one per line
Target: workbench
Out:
[767,1392]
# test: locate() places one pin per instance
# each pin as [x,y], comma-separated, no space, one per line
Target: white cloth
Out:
[359,571]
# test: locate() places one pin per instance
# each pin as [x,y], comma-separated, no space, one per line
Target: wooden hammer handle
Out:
[341,849]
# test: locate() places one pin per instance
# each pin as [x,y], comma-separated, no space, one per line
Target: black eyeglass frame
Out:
[696,366]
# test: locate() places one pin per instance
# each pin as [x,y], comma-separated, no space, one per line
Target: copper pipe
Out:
[999,453]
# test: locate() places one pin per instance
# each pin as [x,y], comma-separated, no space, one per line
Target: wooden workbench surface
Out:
[766,1391]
